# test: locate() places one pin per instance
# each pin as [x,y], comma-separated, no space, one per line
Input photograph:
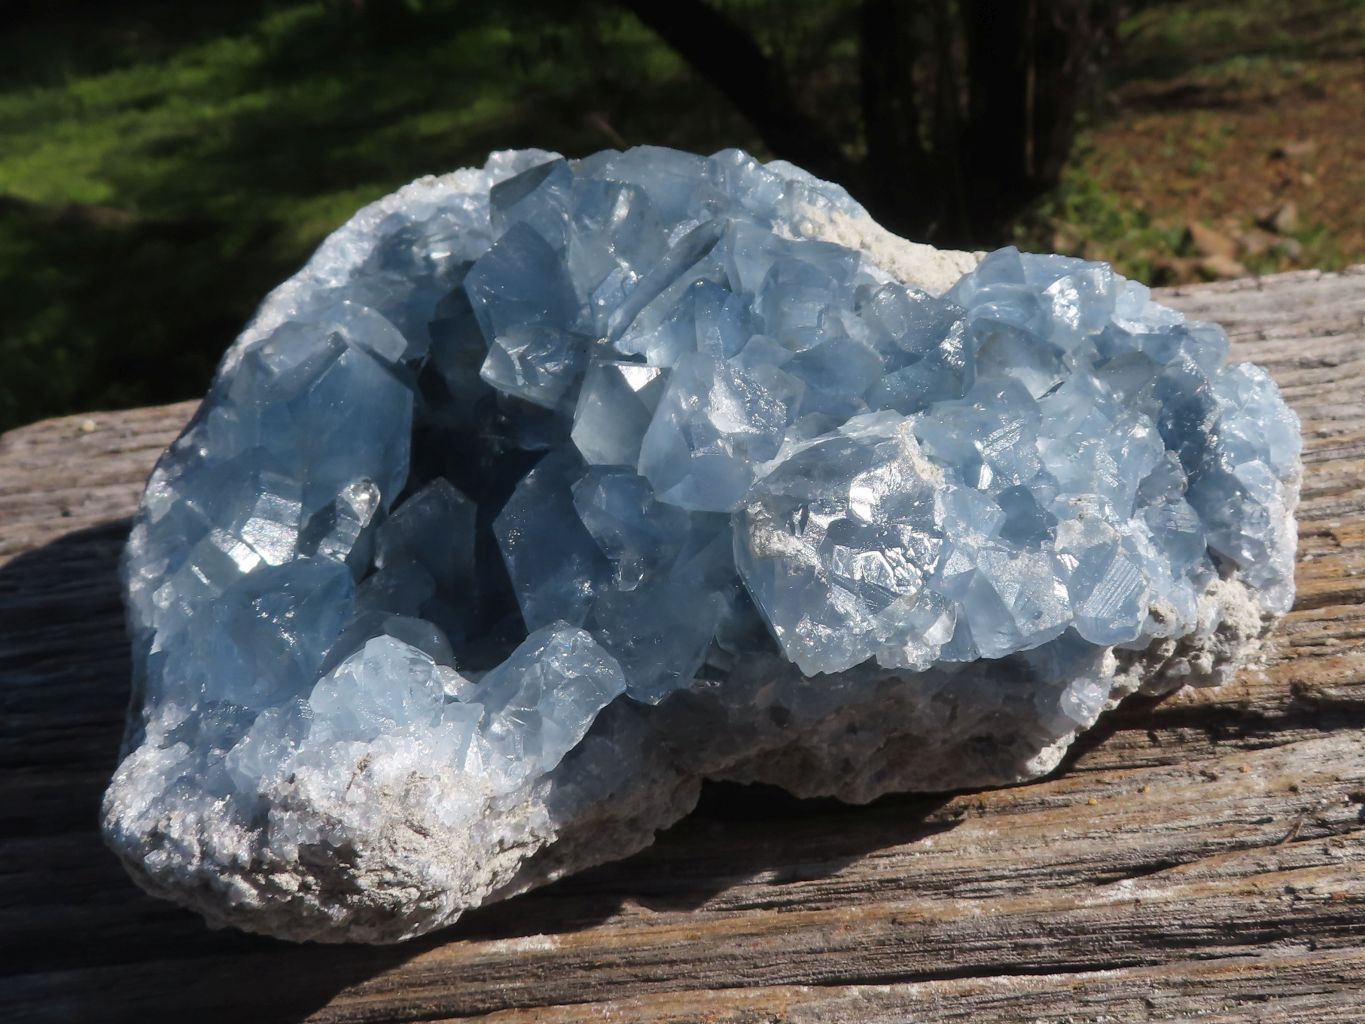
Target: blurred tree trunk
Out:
[1030,66]
[968,107]
[729,57]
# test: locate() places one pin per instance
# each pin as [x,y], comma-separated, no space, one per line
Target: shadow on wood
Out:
[68,904]
[65,668]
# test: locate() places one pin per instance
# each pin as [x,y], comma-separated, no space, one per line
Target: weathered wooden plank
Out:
[1296,985]
[1198,857]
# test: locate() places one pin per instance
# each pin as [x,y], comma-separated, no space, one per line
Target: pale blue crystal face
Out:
[613,428]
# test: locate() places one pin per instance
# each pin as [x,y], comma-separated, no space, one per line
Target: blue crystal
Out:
[906,478]
[385,687]
[554,563]
[541,701]
[1053,451]
[426,547]
[614,411]
[344,530]
[262,639]
[832,543]
[594,432]
[715,426]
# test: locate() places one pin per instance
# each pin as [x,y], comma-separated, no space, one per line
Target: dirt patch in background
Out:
[1246,119]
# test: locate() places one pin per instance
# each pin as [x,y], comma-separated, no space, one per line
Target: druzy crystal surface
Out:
[546,490]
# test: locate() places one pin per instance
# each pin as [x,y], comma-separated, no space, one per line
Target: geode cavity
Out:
[545,491]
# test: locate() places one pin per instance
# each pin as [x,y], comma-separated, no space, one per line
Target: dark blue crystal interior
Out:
[615,425]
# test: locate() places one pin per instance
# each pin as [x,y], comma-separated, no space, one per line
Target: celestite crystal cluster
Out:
[545,491]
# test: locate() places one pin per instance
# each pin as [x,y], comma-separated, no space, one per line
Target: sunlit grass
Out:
[209,147]
[237,145]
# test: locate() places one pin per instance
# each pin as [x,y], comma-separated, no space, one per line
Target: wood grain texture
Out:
[1202,857]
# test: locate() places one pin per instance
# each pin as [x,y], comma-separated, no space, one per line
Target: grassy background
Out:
[163,164]
[209,150]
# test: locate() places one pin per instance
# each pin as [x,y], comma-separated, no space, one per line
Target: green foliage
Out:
[1232,37]
[207,154]
[163,164]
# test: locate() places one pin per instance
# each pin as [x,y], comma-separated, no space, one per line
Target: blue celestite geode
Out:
[547,490]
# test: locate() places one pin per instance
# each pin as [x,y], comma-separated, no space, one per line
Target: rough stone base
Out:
[854,737]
